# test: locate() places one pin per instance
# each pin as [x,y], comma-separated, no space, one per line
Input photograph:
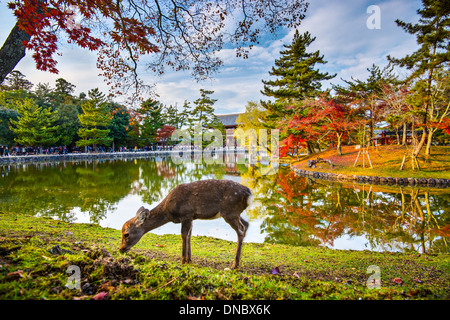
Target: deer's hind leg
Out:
[186,230]
[240,226]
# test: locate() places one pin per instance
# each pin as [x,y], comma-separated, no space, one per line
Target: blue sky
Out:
[341,32]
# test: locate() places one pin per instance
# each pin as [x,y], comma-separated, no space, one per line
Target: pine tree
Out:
[120,124]
[35,125]
[186,115]
[368,92]
[203,112]
[94,119]
[173,116]
[297,78]
[433,35]
[152,120]
[203,116]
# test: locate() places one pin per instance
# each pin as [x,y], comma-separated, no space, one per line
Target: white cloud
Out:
[342,37]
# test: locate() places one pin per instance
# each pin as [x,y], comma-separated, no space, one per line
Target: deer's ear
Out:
[142,215]
[140,210]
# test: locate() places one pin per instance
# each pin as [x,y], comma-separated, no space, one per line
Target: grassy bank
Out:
[386,161]
[35,254]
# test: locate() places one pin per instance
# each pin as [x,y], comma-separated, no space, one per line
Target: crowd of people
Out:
[4,151]
[24,151]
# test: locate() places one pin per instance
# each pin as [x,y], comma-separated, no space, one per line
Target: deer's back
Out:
[206,199]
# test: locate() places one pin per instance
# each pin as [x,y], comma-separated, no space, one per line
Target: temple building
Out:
[229,122]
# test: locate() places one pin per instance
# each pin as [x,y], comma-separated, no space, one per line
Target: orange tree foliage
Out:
[182,34]
[316,120]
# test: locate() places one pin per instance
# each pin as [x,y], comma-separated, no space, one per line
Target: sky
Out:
[342,36]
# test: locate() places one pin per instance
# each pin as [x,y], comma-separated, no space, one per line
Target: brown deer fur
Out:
[206,199]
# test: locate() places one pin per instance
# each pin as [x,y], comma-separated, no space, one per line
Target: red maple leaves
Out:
[42,19]
[122,39]
[317,120]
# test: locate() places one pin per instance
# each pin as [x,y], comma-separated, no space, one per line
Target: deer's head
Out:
[133,230]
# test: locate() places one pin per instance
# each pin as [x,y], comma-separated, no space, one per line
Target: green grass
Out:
[153,269]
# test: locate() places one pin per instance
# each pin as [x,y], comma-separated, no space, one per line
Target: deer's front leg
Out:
[186,228]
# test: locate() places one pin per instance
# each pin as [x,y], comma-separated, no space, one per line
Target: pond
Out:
[288,208]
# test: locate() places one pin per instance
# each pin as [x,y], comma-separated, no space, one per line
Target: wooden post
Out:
[417,162]
[403,162]
[357,158]
[364,159]
[368,157]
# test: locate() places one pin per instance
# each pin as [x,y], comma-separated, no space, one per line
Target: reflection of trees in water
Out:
[294,209]
[62,190]
[302,211]
[56,189]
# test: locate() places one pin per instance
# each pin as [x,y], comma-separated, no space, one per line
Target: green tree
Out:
[120,125]
[432,32]
[16,80]
[203,116]
[152,120]
[186,115]
[173,116]
[35,125]
[203,111]
[94,120]
[7,136]
[369,93]
[296,78]
[64,87]
[63,92]
[68,122]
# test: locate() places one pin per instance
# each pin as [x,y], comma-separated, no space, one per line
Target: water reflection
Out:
[306,212]
[288,208]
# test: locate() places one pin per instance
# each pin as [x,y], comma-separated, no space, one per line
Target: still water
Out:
[287,209]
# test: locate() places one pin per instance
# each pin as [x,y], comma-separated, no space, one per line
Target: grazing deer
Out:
[206,199]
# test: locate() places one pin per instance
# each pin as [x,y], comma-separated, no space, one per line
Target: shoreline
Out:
[374,180]
[93,156]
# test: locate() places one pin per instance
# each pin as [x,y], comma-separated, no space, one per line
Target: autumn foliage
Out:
[186,34]
[316,120]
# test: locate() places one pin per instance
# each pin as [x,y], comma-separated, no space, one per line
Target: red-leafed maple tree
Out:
[163,134]
[318,119]
[182,34]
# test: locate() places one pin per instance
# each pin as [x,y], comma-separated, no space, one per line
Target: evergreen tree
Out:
[368,92]
[203,111]
[173,116]
[68,123]
[7,136]
[94,120]
[97,96]
[16,81]
[186,115]
[203,117]
[297,78]
[120,125]
[35,125]
[63,92]
[64,87]
[433,35]
[152,120]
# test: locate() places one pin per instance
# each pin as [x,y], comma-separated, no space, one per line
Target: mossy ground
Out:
[153,269]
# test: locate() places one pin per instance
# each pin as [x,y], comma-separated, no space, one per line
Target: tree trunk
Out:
[308,147]
[398,136]
[339,149]
[12,51]
[421,143]
[429,140]
[404,133]
[371,125]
